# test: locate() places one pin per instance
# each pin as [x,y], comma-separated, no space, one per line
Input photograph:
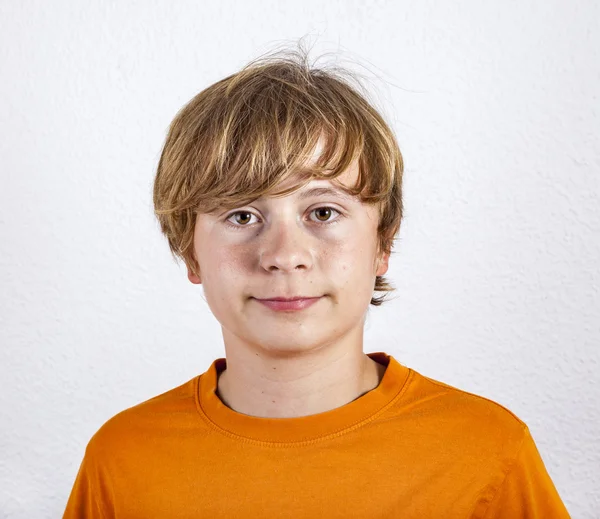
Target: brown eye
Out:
[242,220]
[324,213]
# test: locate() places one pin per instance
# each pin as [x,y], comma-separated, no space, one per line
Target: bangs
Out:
[251,133]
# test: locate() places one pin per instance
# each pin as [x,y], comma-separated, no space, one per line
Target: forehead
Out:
[315,187]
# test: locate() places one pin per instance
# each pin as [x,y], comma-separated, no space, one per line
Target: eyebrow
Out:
[314,191]
[318,191]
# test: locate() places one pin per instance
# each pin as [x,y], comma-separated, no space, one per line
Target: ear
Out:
[193,277]
[383,264]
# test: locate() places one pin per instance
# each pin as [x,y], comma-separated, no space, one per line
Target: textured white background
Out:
[496,108]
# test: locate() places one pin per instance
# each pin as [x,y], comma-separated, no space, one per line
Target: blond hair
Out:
[240,137]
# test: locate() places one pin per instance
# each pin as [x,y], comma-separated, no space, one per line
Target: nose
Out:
[286,246]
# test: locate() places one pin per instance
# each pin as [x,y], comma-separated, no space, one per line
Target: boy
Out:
[281,189]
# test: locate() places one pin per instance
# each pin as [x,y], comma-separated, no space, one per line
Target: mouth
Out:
[287,304]
[295,298]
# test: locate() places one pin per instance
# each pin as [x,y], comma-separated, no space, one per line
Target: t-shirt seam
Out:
[299,443]
[449,387]
[99,505]
[507,473]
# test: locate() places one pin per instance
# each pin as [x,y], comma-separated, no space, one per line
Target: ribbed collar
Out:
[304,428]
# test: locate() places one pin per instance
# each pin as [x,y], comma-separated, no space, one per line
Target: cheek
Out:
[220,270]
[222,285]
[348,262]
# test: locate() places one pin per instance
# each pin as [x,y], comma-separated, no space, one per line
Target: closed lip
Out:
[296,298]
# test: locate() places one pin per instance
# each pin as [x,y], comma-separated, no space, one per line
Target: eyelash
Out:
[330,222]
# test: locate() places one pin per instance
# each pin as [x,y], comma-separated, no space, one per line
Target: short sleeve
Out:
[527,490]
[90,495]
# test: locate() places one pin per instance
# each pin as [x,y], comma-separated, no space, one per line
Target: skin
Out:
[292,364]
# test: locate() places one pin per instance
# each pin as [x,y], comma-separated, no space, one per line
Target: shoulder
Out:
[495,447]
[462,405]
[476,425]
[141,421]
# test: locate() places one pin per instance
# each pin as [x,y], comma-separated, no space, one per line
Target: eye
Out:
[244,213]
[321,212]
[326,211]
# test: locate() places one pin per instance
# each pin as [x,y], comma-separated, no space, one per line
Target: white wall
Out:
[496,108]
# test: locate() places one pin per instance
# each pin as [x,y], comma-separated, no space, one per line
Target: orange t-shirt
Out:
[412,447]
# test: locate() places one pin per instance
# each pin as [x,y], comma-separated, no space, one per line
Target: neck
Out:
[256,384]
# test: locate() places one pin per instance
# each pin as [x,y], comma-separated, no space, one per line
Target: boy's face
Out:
[285,247]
